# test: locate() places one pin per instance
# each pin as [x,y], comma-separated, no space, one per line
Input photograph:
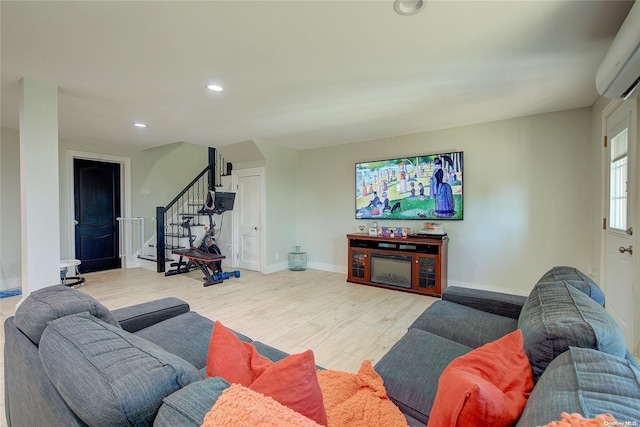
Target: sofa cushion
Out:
[574,277]
[143,315]
[410,370]
[291,381]
[587,382]
[192,346]
[118,379]
[557,316]
[464,325]
[492,302]
[188,406]
[488,386]
[53,302]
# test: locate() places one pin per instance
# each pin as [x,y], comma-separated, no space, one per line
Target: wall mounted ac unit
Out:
[619,74]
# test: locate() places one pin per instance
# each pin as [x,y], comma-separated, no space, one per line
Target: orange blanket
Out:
[239,406]
[350,400]
[358,400]
[577,420]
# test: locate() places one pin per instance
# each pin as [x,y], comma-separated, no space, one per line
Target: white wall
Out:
[528,198]
[281,182]
[10,239]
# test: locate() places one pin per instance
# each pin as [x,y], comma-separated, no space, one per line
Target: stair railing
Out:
[170,217]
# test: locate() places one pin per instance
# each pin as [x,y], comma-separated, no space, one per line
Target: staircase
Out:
[170,231]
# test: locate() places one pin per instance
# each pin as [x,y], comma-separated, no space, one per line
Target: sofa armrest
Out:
[188,406]
[140,316]
[492,302]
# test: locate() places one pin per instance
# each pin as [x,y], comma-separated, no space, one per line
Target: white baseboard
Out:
[328,267]
[313,265]
[276,267]
[11,283]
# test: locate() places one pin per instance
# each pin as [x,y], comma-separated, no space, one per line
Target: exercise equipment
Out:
[205,254]
[203,260]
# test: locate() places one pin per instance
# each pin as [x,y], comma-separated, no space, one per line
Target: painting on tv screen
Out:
[420,187]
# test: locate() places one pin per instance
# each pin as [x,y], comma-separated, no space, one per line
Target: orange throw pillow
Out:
[236,361]
[488,386]
[292,381]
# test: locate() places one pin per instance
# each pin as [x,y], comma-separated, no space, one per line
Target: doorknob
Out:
[622,249]
[255,228]
[75,222]
[629,231]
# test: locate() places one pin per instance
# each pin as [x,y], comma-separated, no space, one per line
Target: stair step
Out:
[176,235]
[167,247]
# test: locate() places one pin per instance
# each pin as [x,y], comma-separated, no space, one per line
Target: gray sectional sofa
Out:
[578,355]
[69,361]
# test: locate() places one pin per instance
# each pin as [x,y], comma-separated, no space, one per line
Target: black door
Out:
[97,205]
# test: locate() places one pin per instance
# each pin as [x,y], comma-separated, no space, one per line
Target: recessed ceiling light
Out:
[140,125]
[214,87]
[408,7]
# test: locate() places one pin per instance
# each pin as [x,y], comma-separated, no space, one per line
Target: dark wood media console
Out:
[413,264]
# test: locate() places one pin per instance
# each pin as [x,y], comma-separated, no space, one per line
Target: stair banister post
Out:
[212,168]
[160,245]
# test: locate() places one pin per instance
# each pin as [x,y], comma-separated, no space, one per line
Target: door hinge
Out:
[604,223]
[605,141]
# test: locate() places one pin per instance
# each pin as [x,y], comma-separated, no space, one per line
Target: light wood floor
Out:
[341,322]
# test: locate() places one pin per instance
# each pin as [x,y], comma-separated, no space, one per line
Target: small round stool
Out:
[65,265]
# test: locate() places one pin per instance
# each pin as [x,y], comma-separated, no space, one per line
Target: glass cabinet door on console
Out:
[426,274]
[359,268]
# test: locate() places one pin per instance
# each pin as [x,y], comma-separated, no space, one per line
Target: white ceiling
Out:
[300,74]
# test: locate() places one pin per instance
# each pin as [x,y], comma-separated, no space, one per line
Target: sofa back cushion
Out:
[575,278]
[107,376]
[557,316]
[53,302]
[584,381]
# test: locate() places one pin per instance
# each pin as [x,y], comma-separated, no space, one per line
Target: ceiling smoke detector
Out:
[408,7]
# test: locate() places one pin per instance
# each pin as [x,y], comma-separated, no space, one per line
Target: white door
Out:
[620,201]
[249,220]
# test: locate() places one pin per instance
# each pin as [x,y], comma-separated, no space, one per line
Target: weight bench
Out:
[202,259]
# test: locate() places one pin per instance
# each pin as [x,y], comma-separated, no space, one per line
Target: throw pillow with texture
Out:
[236,361]
[231,410]
[487,387]
[577,420]
[292,381]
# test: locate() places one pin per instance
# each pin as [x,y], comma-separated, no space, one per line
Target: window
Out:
[618,182]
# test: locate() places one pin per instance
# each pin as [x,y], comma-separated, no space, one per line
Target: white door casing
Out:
[619,263]
[249,218]
[125,195]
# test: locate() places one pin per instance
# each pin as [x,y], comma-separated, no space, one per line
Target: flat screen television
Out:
[427,187]
[224,202]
